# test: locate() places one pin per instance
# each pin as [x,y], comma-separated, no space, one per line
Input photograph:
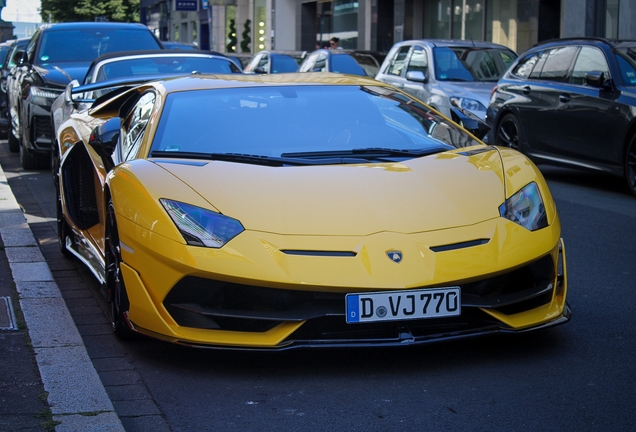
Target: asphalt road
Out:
[579,376]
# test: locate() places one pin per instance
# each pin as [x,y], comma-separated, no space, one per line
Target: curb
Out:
[76,395]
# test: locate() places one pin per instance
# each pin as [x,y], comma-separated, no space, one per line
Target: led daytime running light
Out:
[43,93]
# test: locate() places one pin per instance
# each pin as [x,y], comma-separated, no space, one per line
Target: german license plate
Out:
[403,305]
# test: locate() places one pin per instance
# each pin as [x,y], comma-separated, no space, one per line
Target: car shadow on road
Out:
[445,355]
[601,182]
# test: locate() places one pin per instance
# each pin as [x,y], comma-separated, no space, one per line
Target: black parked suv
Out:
[571,102]
[55,55]
[7,64]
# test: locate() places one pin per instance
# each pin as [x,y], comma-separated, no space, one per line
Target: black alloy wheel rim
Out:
[508,135]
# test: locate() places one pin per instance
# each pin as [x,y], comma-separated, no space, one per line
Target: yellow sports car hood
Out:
[430,193]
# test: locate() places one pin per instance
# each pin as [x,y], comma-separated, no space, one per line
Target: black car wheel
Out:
[115,288]
[509,133]
[630,165]
[27,160]
[63,229]
[14,143]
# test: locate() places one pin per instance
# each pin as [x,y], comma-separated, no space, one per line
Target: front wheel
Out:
[63,229]
[509,133]
[14,143]
[630,165]
[115,287]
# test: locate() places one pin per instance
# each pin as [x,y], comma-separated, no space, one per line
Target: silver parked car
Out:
[441,72]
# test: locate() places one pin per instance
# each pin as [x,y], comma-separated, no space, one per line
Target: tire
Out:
[14,144]
[63,229]
[115,287]
[630,165]
[32,161]
[55,163]
[27,159]
[509,133]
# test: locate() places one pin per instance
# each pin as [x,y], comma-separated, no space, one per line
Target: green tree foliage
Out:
[231,37]
[246,40]
[90,10]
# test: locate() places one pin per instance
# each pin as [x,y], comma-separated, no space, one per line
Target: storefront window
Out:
[437,19]
[611,19]
[337,18]
[468,17]
[345,22]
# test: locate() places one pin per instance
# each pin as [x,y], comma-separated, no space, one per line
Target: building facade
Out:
[253,25]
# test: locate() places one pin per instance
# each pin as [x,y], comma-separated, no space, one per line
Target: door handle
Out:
[526,90]
[565,98]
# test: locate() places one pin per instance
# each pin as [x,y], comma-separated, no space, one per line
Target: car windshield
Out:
[344,63]
[471,63]
[159,65]
[626,58]
[283,63]
[4,50]
[85,45]
[367,62]
[273,121]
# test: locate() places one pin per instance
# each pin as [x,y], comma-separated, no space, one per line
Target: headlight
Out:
[469,104]
[42,96]
[526,208]
[201,227]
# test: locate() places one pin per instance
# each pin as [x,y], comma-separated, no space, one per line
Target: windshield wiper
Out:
[369,153]
[257,159]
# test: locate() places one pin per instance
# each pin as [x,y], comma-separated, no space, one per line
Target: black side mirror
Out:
[104,139]
[469,121]
[259,70]
[20,58]
[597,79]
[417,76]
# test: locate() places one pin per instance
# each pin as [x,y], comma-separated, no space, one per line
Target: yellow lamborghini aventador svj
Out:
[303,210]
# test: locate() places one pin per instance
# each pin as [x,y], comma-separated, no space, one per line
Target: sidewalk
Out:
[57,361]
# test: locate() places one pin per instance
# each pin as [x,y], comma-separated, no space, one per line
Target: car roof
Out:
[91,24]
[291,53]
[617,43]
[454,43]
[23,41]
[157,53]
[219,81]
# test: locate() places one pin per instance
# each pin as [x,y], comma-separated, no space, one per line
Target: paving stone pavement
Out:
[73,355]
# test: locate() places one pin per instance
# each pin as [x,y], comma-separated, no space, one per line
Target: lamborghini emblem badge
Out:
[395,256]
